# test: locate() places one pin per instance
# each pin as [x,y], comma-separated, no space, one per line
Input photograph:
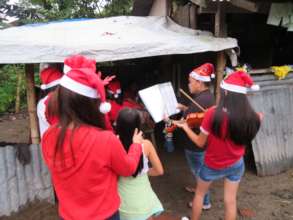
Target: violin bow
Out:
[191,99]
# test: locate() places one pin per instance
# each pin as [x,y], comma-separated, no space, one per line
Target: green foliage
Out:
[30,11]
[117,7]
[8,84]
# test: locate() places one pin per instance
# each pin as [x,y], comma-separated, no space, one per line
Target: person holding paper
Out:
[199,82]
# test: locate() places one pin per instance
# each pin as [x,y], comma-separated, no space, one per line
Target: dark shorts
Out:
[232,173]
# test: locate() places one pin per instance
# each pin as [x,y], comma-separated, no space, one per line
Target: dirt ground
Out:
[14,128]
[270,198]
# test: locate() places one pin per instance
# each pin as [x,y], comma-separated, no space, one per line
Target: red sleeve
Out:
[207,121]
[122,163]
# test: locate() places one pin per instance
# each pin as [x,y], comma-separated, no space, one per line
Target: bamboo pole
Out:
[18,85]
[31,103]
[220,31]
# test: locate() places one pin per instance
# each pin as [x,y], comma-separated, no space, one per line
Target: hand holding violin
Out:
[180,124]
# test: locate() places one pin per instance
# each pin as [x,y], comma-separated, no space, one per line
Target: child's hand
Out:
[137,137]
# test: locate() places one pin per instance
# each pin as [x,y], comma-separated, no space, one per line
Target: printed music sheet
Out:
[160,100]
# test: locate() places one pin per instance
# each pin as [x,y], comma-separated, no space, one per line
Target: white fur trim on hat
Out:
[50,85]
[105,107]
[66,69]
[233,88]
[196,76]
[78,88]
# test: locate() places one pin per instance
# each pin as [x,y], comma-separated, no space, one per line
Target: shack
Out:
[107,39]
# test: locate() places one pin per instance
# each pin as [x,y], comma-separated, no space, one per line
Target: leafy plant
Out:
[8,84]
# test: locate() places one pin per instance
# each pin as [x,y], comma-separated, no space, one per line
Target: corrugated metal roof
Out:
[273,151]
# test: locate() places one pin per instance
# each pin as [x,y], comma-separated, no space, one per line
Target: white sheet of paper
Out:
[160,100]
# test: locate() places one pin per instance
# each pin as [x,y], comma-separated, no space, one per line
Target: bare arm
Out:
[157,168]
[123,163]
[199,139]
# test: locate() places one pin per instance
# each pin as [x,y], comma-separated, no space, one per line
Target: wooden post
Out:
[31,103]
[193,16]
[18,88]
[178,70]
[220,31]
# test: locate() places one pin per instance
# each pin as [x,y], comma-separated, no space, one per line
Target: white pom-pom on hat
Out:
[255,87]
[213,75]
[105,107]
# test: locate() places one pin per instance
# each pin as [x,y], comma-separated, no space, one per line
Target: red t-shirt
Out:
[220,152]
[115,108]
[86,185]
[131,104]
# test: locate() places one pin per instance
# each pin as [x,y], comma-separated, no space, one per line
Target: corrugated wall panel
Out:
[21,184]
[273,146]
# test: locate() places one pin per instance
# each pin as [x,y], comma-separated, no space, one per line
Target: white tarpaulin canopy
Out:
[106,39]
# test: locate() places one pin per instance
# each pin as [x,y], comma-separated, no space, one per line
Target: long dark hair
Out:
[243,121]
[75,109]
[129,119]
[45,92]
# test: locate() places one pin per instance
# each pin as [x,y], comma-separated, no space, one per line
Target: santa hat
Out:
[114,88]
[203,73]
[239,82]
[79,61]
[82,79]
[50,77]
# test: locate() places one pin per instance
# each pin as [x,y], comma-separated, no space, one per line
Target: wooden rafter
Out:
[245,4]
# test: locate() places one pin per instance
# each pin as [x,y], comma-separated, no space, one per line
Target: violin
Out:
[193,120]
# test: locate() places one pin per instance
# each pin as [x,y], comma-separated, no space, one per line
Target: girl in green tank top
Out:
[138,200]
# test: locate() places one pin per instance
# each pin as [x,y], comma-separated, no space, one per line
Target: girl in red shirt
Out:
[226,130]
[84,159]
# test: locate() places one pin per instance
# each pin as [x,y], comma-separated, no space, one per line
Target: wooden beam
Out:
[220,66]
[159,8]
[220,31]
[193,16]
[247,5]
[211,8]
[31,103]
